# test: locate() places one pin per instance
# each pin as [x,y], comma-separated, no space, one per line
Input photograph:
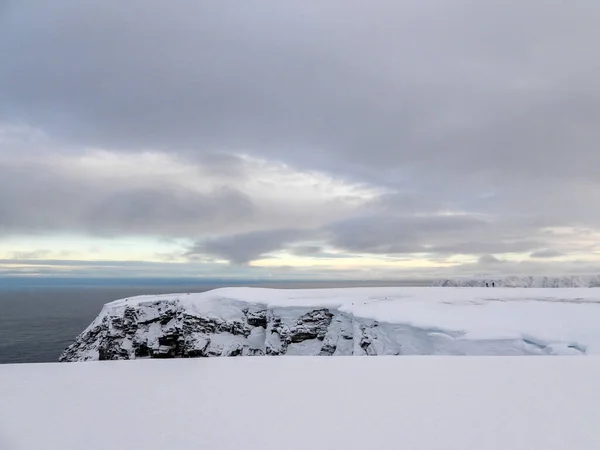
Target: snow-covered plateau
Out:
[349,321]
[287,403]
[565,281]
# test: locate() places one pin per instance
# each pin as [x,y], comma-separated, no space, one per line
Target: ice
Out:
[299,403]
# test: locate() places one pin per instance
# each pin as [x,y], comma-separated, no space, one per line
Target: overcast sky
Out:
[313,139]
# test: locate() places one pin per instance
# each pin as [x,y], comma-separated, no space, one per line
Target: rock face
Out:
[165,329]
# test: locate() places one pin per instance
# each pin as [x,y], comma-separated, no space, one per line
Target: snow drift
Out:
[352,321]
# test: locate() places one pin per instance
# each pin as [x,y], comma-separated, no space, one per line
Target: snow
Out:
[292,403]
[523,281]
[430,320]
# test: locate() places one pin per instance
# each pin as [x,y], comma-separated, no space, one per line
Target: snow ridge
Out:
[353,321]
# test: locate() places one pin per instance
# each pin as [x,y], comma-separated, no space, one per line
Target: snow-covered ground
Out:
[539,281]
[416,403]
[352,321]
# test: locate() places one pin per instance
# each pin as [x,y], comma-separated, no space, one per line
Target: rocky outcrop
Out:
[303,331]
[164,329]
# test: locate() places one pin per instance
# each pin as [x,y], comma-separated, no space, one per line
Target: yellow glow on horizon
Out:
[83,248]
[349,263]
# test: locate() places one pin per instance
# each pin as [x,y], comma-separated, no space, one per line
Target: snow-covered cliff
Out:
[354,321]
[566,281]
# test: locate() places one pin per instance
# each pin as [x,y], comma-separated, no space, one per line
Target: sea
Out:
[39,318]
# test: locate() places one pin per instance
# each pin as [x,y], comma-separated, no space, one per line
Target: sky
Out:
[299,140]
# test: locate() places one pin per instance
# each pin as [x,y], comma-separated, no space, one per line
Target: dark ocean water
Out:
[37,322]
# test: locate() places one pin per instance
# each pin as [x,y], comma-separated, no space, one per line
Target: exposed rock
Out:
[164,330]
[256,318]
[327,350]
[278,335]
[312,325]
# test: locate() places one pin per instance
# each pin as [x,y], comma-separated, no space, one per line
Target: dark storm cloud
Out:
[487,108]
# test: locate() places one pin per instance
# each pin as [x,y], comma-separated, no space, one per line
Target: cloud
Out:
[488,245]
[382,234]
[489,260]
[396,234]
[546,253]
[44,198]
[156,194]
[244,248]
[30,255]
[413,128]
[340,86]
[318,252]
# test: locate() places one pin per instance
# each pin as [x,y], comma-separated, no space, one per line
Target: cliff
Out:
[354,321]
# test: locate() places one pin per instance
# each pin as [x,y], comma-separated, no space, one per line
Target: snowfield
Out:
[565,281]
[351,321]
[274,403]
